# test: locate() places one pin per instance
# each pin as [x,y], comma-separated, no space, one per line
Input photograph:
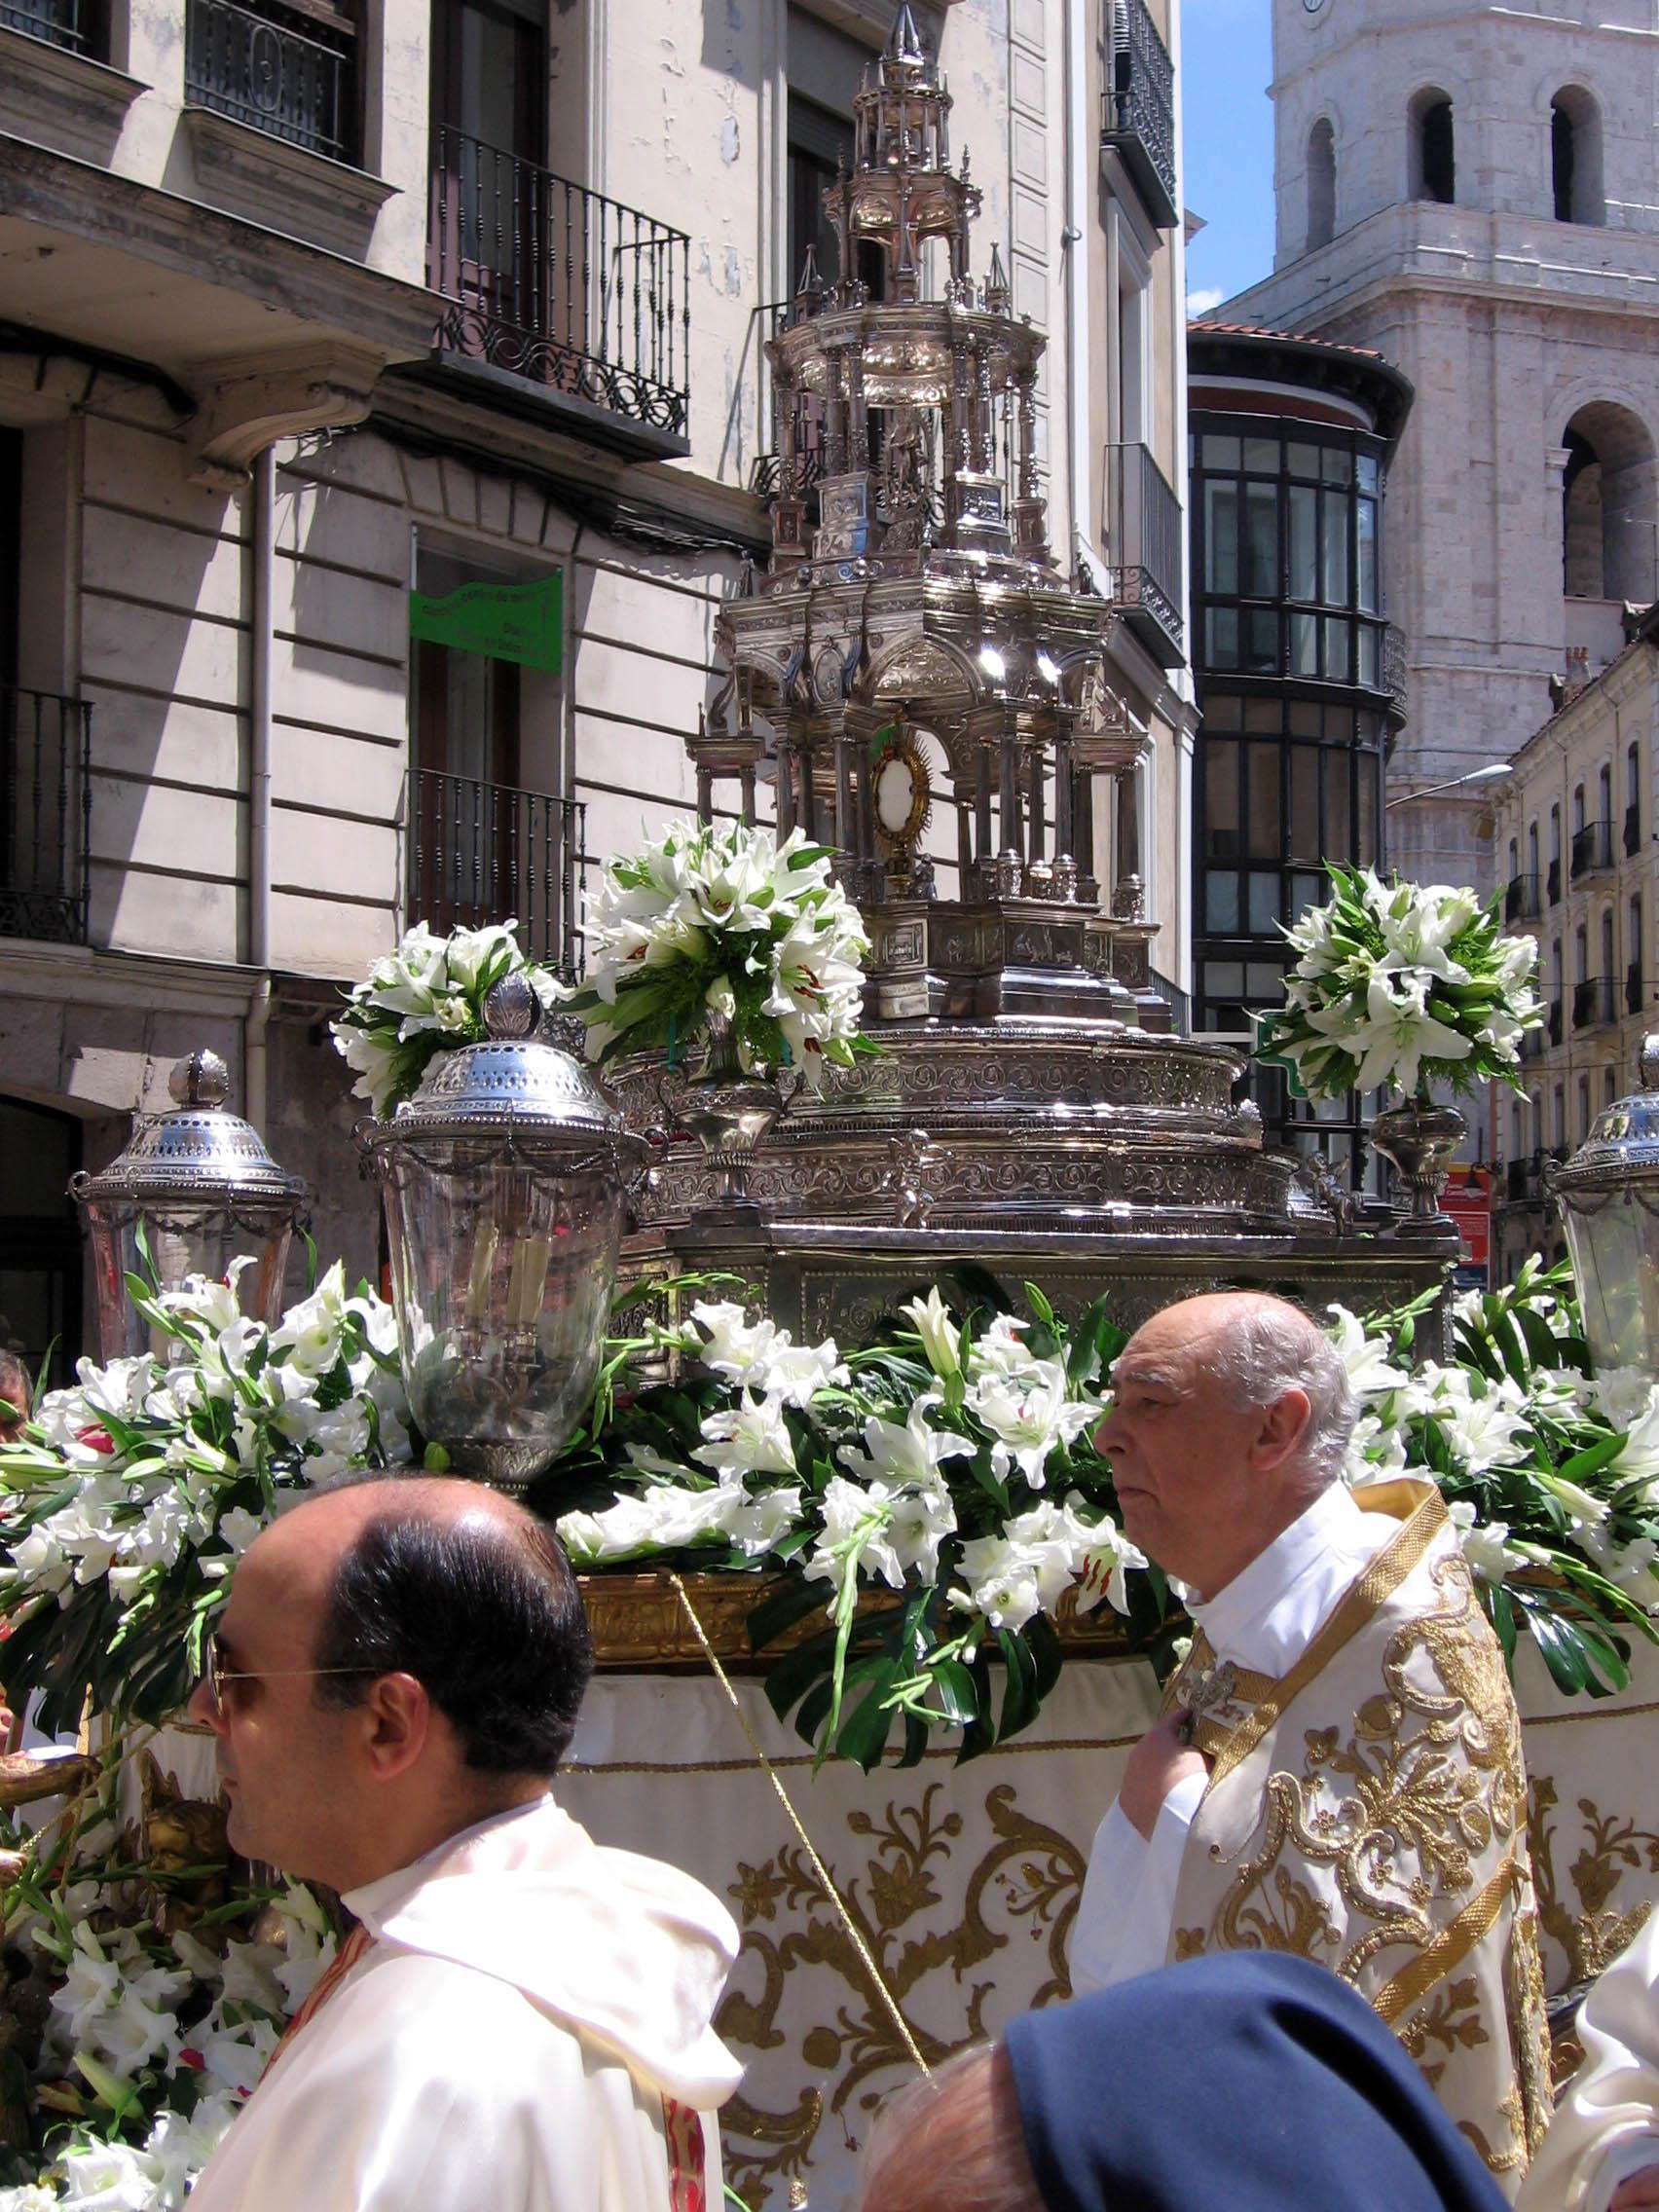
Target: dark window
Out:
[1321,185]
[40,1239]
[1560,161]
[1439,168]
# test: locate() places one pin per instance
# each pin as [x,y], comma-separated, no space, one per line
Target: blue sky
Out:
[1227,60]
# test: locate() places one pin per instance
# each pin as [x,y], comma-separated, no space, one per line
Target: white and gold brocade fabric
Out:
[1368,1811]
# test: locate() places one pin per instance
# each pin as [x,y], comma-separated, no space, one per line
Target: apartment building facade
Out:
[383,417]
[1574,826]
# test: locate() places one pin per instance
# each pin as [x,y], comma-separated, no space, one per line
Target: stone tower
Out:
[1473,192]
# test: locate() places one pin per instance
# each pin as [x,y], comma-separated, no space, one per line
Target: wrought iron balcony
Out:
[289,71]
[1592,849]
[480,852]
[561,288]
[46,815]
[1145,551]
[1595,1004]
[1633,829]
[1140,107]
[1521,898]
[1521,1179]
[76,25]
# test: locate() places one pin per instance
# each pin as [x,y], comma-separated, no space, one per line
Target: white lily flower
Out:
[749,1438]
[1366,1358]
[942,1338]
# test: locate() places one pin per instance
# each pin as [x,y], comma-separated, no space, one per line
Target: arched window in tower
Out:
[1433,165]
[1321,184]
[1609,506]
[1575,157]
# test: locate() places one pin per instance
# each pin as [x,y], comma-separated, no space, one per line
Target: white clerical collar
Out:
[1266,1617]
[377,1899]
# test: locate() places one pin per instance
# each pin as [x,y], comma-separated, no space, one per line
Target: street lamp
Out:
[1433,790]
[1608,1194]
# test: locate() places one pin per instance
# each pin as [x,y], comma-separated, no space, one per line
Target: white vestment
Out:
[1607,2123]
[1263,1621]
[530,2030]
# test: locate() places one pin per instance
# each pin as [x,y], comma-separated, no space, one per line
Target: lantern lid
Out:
[199,1153]
[1623,1144]
[509,1081]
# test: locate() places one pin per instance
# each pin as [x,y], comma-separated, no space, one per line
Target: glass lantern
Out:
[504,1180]
[1608,1194]
[198,1189]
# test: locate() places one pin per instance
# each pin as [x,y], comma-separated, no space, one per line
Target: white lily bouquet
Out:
[426,998]
[714,927]
[933,1495]
[129,1497]
[1402,986]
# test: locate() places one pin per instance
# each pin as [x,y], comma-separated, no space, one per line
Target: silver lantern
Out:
[504,1180]
[1608,1194]
[197,1187]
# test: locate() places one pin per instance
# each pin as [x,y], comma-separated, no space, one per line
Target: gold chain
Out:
[888,2002]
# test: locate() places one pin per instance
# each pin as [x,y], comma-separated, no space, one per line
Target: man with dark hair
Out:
[521,2018]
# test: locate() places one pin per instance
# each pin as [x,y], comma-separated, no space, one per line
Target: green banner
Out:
[522,622]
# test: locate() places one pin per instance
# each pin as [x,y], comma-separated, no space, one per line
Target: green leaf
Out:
[1020,1698]
[865,1731]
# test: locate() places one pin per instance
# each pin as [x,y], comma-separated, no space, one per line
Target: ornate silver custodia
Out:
[198,1186]
[917,653]
[504,1179]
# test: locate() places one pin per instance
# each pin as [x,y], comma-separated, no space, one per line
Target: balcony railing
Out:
[480,852]
[1140,107]
[1632,987]
[290,72]
[1595,1003]
[1521,1178]
[76,25]
[1553,881]
[1592,849]
[1145,551]
[560,286]
[1555,1021]
[1521,898]
[1633,829]
[46,815]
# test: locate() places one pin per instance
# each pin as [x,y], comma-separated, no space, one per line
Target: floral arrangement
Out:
[718,921]
[937,1499]
[426,998]
[143,2020]
[128,1497]
[949,1468]
[928,1507]
[1552,1474]
[1403,985]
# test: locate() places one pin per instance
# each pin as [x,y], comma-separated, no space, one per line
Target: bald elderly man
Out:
[1336,1771]
[520,2017]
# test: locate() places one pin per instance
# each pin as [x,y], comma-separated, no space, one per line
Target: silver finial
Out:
[199,1079]
[511,1009]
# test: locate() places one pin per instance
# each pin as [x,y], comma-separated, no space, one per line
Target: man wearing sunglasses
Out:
[520,2017]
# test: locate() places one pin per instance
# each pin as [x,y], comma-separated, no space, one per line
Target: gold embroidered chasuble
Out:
[1368,1811]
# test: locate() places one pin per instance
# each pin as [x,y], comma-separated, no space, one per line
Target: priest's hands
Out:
[1641,2193]
[1158,1761]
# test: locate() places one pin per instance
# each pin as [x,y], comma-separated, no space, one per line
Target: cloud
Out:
[1206,301]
